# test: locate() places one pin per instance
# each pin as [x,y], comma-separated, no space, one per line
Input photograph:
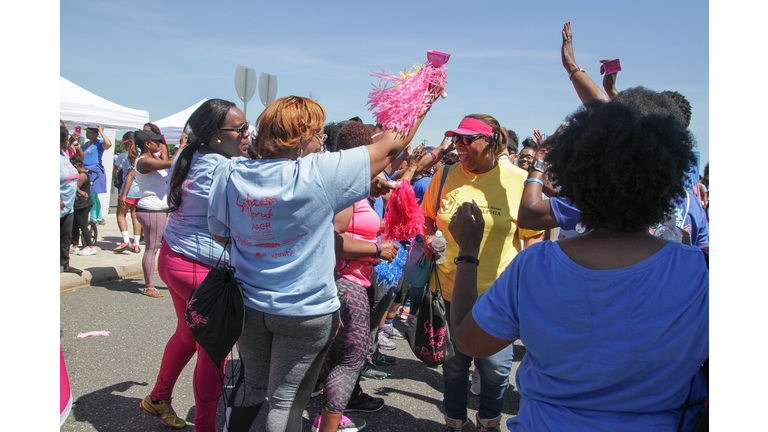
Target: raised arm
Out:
[384,151]
[609,81]
[585,87]
[535,213]
[467,227]
[107,143]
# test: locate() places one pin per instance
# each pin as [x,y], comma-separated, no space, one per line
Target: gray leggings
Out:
[153,225]
[281,356]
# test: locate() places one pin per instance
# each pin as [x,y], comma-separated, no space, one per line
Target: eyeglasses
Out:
[322,137]
[465,139]
[242,130]
[524,157]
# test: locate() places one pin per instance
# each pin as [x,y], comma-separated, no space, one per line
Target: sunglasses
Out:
[242,130]
[465,139]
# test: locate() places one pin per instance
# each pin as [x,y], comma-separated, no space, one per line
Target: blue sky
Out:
[505,56]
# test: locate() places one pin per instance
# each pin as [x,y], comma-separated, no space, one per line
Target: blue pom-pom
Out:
[390,273]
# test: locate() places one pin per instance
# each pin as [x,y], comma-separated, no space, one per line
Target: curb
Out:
[96,275]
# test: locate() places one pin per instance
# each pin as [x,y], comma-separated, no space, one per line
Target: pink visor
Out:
[470,126]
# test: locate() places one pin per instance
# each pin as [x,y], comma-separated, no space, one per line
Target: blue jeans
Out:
[494,379]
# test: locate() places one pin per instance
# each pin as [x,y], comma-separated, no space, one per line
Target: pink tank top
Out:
[364,225]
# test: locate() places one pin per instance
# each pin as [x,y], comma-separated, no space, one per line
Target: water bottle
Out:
[438,245]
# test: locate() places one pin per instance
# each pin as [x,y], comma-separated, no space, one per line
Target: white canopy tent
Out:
[79,107]
[173,126]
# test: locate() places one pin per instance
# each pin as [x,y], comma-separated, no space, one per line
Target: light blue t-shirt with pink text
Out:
[280,217]
[187,230]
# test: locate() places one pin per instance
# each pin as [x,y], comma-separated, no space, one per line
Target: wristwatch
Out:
[466,258]
[538,165]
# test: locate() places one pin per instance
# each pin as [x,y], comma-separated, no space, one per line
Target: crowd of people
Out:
[613,314]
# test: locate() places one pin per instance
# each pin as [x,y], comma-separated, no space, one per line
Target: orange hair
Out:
[285,123]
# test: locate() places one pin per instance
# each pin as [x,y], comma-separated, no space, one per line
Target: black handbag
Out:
[417,267]
[430,335]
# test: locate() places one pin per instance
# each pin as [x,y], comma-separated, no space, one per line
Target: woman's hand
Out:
[538,137]
[121,200]
[61,203]
[388,250]
[82,194]
[380,186]
[566,52]
[467,228]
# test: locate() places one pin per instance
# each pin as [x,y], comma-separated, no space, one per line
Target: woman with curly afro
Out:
[615,321]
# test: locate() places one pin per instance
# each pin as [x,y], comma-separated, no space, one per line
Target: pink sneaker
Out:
[346,424]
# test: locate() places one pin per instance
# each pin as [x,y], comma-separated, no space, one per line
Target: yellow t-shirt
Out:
[498,193]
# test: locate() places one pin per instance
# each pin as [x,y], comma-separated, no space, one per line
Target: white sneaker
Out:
[474,377]
[73,250]
[88,250]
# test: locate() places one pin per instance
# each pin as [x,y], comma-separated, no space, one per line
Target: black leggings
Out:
[65,224]
[81,224]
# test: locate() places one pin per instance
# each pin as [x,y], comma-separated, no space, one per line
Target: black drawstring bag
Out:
[215,313]
[430,336]
[215,310]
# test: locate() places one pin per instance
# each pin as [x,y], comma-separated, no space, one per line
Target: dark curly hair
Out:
[450,158]
[332,130]
[622,169]
[353,134]
[529,143]
[646,102]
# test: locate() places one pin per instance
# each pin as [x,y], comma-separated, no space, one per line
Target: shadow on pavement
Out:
[109,411]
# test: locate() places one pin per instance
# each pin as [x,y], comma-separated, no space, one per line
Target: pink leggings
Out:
[182,275]
[153,226]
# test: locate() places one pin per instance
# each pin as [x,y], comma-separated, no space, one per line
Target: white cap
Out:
[439,233]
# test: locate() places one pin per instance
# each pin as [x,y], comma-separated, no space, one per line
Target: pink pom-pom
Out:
[398,105]
[403,219]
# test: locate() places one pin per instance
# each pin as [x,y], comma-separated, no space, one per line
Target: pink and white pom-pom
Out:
[398,100]
[403,219]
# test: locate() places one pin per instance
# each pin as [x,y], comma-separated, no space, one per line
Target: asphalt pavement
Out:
[110,375]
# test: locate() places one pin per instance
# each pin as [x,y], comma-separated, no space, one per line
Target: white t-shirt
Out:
[153,187]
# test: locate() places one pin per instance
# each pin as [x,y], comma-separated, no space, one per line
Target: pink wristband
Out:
[434,156]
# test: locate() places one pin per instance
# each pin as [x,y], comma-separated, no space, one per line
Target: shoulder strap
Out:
[440,191]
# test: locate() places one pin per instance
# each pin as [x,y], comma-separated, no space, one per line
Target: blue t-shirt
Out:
[187,230]
[607,350]
[689,216]
[67,183]
[281,219]
[420,187]
[125,165]
[92,154]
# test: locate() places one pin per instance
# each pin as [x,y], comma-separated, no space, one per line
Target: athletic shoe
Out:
[474,377]
[492,425]
[453,425]
[372,372]
[393,333]
[163,411]
[101,221]
[73,249]
[122,247]
[346,424]
[380,359]
[384,341]
[136,249]
[364,403]
[70,269]
[88,250]
[318,390]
